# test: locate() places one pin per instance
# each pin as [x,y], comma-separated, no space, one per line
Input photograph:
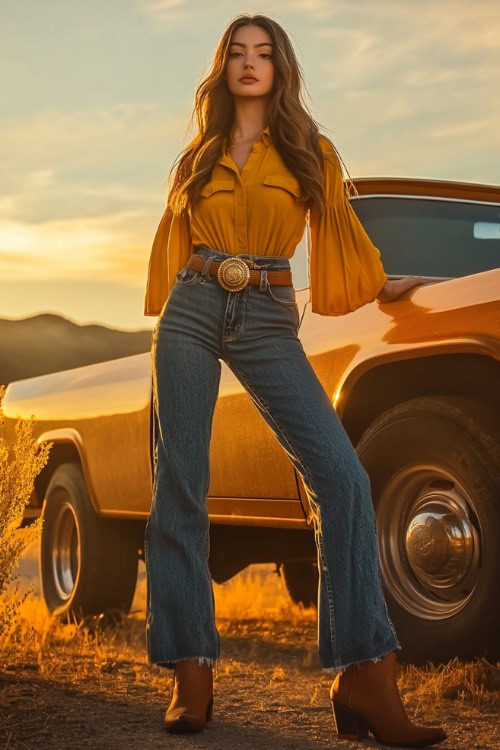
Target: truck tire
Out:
[88,564]
[301,581]
[434,467]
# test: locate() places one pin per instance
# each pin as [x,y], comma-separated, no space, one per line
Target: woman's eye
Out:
[233,54]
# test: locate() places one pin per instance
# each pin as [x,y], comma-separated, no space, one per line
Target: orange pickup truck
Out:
[416,383]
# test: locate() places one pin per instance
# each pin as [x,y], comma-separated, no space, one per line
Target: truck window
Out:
[432,237]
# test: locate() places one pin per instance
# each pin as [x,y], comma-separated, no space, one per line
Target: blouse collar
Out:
[265,136]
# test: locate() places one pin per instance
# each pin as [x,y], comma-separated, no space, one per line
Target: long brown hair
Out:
[293,130]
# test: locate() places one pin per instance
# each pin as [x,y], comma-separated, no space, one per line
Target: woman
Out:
[219,278]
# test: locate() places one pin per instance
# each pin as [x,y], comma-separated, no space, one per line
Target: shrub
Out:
[16,485]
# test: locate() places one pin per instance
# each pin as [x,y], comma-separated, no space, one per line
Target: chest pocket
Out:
[214,186]
[287,182]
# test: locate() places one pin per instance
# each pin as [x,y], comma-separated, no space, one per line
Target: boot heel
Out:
[349,724]
[209,709]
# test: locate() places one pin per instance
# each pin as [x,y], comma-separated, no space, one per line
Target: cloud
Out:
[486,129]
[66,164]
[103,247]
[53,137]
[168,11]
[400,82]
[68,209]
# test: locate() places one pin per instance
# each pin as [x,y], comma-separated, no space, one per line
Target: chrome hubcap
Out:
[429,542]
[65,551]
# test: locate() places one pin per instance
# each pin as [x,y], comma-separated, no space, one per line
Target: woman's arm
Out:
[346,271]
[394,288]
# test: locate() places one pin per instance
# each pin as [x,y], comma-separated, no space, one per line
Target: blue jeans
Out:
[255,332]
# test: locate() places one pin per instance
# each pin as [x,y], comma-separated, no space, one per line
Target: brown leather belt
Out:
[235,273]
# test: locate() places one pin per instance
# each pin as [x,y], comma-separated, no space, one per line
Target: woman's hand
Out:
[393,289]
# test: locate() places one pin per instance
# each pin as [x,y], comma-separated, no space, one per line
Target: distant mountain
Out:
[47,343]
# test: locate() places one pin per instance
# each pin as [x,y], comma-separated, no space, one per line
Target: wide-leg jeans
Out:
[255,331]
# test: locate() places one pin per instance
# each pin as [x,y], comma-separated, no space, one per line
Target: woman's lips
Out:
[248,80]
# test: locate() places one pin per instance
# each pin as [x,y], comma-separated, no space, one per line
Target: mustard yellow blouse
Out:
[258,212]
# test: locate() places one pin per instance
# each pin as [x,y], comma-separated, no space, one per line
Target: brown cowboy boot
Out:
[192,697]
[366,697]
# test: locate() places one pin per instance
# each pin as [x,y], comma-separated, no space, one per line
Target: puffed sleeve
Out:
[345,267]
[170,252]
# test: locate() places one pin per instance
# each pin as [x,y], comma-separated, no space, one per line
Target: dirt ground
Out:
[269,694]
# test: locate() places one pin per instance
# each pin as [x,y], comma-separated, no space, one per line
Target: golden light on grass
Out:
[250,595]
[473,682]
[250,606]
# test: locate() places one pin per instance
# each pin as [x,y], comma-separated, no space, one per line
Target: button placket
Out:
[240,216]
[250,158]
[240,202]
[241,223]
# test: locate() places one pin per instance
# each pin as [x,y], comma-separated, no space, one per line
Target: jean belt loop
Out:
[263,279]
[205,276]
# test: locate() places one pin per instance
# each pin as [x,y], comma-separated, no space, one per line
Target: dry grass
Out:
[260,596]
[53,675]
[245,601]
[252,606]
[53,669]
[476,683]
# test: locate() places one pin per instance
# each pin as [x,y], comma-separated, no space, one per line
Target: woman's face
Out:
[250,54]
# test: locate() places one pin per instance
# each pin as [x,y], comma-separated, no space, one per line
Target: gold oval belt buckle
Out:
[233,274]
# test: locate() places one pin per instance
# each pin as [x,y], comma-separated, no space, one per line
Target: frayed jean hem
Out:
[200,659]
[343,667]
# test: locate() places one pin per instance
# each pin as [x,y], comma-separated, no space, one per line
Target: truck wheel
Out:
[88,564]
[434,467]
[301,581]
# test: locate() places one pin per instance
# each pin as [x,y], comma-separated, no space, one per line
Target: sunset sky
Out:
[96,97]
